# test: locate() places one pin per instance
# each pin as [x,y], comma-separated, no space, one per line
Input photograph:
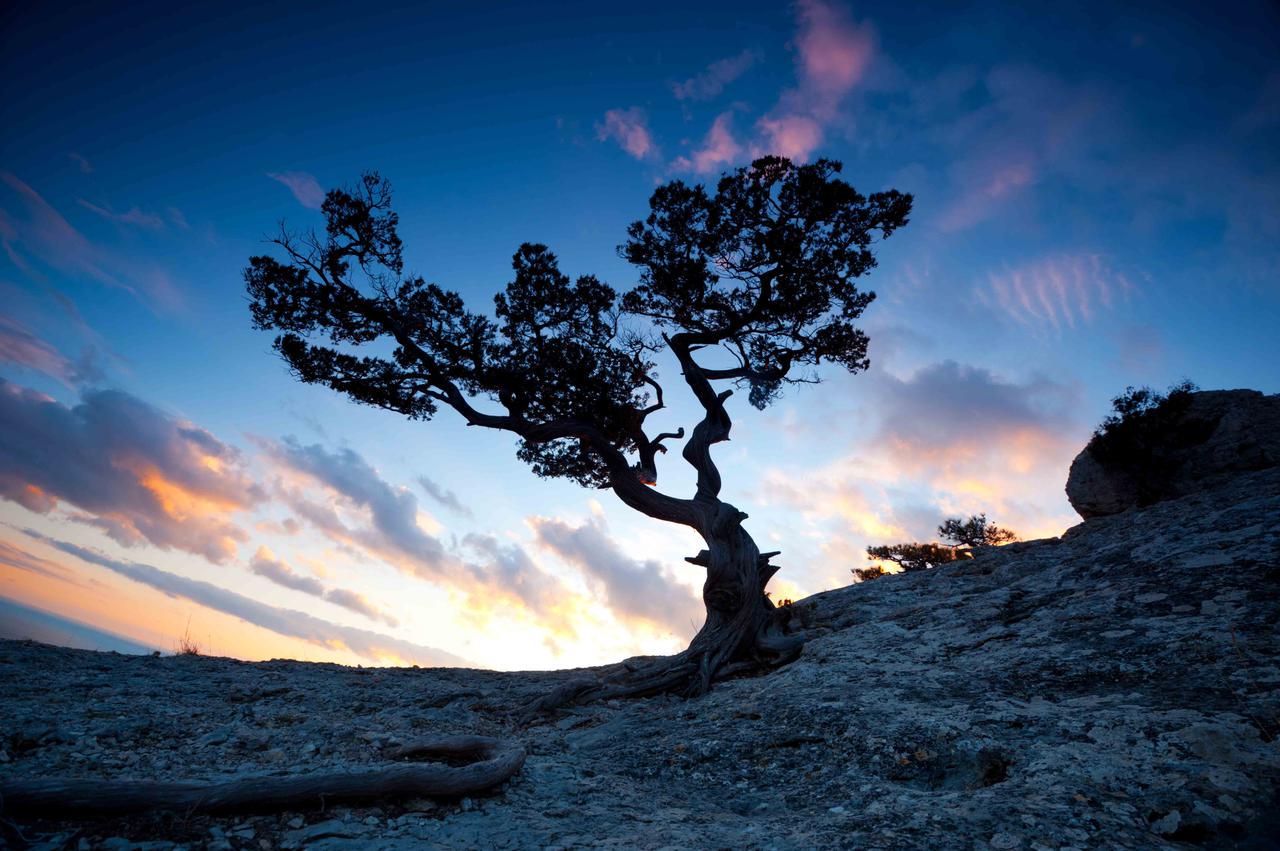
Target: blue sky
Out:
[1097,205]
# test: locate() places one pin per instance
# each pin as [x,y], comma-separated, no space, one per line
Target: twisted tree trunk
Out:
[743,629]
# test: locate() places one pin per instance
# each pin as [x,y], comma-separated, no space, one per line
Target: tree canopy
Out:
[764,267]
[961,537]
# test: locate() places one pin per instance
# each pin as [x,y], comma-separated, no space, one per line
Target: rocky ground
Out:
[1116,688]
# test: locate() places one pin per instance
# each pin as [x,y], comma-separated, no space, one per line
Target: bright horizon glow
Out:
[1076,230]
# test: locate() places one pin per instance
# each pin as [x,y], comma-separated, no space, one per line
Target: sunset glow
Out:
[1076,229]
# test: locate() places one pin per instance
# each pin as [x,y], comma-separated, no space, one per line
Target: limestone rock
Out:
[1115,688]
[1220,434]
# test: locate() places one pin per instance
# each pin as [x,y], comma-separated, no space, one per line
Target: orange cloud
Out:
[127,468]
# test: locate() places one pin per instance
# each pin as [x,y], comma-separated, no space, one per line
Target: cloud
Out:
[508,566]
[1056,292]
[1028,127]
[948,416]
[265,564]
[393,511]
[18,558]
[85,166]
[32,230]
[132,470]
[719,149]
[833,51]
[949,439]
[133,216]
[388,529]
[832,55]
[445,497]
[718,74]
[371,645]
[628,128]
[19,346]
[303,186]
[632,589]
[980,202]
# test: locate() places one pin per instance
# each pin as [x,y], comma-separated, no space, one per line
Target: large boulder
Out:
[1200,443]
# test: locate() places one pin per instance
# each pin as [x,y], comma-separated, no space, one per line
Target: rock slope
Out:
[1118,687]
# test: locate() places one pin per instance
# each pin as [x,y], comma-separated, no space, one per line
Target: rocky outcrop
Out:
[1215,436]
[1115,688]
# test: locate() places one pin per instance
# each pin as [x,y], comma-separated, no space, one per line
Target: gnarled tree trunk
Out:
[743,629]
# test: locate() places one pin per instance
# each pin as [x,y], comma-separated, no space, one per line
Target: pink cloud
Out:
[133,216]
[832,54]
[984,200]
[719,74]
[629,129]
[303,186]
[719,148]
[833,51]
[792,136]
[1056,292]
[19,346]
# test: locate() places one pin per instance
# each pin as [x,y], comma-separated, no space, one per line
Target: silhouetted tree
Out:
[974,532]
[915,556]
[866,574]
[963,535]
[764,269]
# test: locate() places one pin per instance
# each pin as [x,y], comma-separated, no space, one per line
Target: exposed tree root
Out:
[496,761]
[710,658]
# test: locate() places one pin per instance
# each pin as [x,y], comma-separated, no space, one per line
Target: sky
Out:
[1097,205]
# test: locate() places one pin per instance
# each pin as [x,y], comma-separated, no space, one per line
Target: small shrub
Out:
[974,532]
[1142,432]
[964,537]
[187,644]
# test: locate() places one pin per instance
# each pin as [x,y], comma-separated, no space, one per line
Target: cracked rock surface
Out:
[1118,687]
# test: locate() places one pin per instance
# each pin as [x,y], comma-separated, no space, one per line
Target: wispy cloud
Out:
[393,511]
[1057,293]
[717,75]
[267,565]
[19,346]
[444,496]
[632,589]
[832,54]
[287,622]
[718,150]
[132,216]
[359,509]
[304,187]
[133,471]
[629,128]
[18,558]
[85,166]
[32,233]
